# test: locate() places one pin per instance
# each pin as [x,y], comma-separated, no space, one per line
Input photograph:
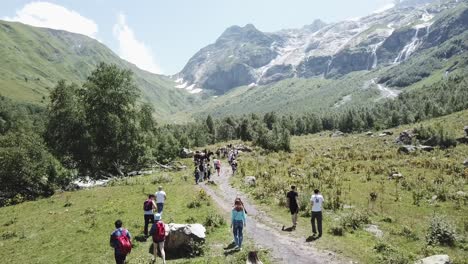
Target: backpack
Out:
[148,205]
[125,245]
[159,234]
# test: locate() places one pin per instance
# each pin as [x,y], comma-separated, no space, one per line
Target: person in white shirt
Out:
[316,202]
[160,199]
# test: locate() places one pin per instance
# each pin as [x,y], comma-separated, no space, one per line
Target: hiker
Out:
[218,153]
[252,258]
[201,169]
[238,199]
[238,223]
[234,166]
[217,165]
[230,157]
[208,170]
[293,205]
[316,201]
[148,207]
[120,240]
[160,199]
[158,232]
[197,174]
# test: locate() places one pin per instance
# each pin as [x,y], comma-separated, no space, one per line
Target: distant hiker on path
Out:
[217,165]
[234,167]
[238,223]
[252,258]
[120,240]
[148,207]
[158,232]
[293,205]
[316,201]
[197,174]
[160,199]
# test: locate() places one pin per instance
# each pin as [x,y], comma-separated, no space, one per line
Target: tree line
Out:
[102,129]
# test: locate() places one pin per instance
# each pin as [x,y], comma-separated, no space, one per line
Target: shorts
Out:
[294,210]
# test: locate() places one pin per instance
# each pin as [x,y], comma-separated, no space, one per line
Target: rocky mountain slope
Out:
[247,56]
[32,60]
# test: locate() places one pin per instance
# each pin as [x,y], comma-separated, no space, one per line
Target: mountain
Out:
[246,56]
[33,59]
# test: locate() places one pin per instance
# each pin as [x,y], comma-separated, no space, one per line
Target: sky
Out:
[161,36]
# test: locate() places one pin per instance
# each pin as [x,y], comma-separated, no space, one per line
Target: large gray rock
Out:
[406,149]
[337,134]
[436,259]
[465,163]
[250,181]
[405,137]
[374,230]
[180,236]
[186,153]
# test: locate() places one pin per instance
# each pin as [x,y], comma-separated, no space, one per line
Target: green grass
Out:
[355,166]
[74,227]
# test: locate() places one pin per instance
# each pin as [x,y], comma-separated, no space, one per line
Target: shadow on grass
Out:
[230,249]
[288,229]
[141,238]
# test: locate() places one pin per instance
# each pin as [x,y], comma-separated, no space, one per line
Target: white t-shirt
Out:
[316,200]
[160,197]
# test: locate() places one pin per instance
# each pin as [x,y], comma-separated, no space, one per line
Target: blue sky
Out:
[160,36]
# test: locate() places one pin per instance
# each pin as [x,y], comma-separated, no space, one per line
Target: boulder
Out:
[374,230]
[405,137]
[435,259]
[250,181]
[406,149]
[369,133]
[426,148]
[466,131]
[465,163]
[186,153]
[395,176]
[337,134]
[243,148]
[387,133]
[181,236]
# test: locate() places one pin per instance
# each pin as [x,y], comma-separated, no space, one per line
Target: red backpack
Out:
[159,234]
[125,245]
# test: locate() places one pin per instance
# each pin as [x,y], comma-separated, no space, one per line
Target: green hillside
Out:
[33,60]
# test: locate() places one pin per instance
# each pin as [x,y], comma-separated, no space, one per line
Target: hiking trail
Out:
[264,231]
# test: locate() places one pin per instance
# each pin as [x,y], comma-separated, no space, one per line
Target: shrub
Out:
[354,220]
[214,220]
[336,230]
[161,179]
[435,136]
[408,233]
[194,204]
[441,232]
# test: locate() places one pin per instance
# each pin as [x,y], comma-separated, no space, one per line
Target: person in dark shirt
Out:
[293,205]
[119,231]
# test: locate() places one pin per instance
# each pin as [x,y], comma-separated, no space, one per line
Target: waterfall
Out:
[409,48]
[328,66]
[374,54]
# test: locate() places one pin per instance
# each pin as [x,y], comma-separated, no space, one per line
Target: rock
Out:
[465,163]
[387,133]
[405,137]
[375,230]
[250,180]
[426,148]
[395,176]
[461,194]
[186,153]
[406,149]
[369,133]
[466,131]
[180,236]
[435,259]
[337,134]
[433,198]
[382,135]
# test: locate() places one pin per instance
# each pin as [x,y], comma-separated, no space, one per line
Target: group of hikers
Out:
[153,208]
[202,162]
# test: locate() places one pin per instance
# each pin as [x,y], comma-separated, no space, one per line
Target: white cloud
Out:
[45,14]
[133,50]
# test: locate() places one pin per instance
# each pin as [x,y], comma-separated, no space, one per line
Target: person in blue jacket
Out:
[238,223]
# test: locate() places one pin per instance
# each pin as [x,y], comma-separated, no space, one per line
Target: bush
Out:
[194,204]
[214,220]
[435,136]
[162,179]
[441,232]
[336,230]
[355,220]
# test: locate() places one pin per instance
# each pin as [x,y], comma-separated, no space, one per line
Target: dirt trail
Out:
[265,232]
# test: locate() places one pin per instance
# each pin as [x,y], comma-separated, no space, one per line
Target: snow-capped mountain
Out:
[247,56]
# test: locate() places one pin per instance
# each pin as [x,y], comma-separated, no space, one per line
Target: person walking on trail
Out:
[148,207]
[121,241]
[201,169]
[316,201]
[208,171]
[234,167]
[293,205]
[158,233]
[252,258]
[160,199]
[197,174]
[217,165]
[238,223]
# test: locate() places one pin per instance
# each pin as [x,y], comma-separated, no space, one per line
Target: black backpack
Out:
[148,205]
